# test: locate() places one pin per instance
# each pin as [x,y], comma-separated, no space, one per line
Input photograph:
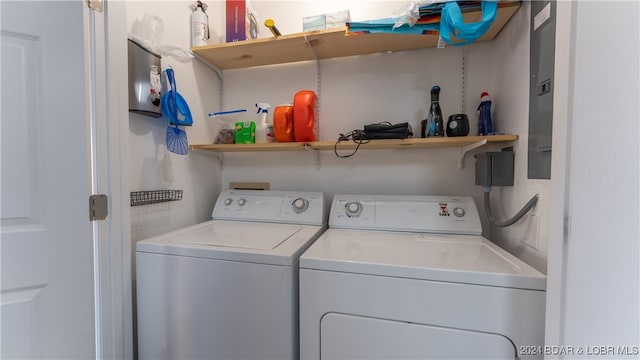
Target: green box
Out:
[245,132]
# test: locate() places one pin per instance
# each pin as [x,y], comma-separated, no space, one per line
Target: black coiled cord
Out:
[357,136]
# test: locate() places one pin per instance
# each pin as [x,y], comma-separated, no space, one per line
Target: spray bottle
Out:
[264,128]
[199,24]
[433,125]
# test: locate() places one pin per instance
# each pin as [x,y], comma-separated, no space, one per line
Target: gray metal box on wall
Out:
[145,85]
[541,84]
[495,168]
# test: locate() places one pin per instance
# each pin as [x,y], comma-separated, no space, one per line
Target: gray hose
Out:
[513,220]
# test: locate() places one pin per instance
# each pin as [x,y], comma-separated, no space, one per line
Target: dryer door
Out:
[356,337]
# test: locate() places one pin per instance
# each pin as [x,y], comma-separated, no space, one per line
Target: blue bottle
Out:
[485,126]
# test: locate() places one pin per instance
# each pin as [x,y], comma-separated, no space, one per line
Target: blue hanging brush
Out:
[177,141]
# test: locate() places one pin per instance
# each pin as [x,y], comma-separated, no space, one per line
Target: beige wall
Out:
[151,167]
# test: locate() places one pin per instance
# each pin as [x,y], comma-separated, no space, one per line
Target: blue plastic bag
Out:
[452,24]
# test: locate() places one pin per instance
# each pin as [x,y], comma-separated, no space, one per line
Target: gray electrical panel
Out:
[541,84]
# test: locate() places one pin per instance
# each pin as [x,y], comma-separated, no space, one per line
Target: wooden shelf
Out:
[411,143]
[331,43]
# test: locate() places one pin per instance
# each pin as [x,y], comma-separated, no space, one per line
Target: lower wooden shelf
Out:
[410,143]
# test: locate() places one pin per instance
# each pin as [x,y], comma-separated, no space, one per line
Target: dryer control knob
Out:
[241,202]
[299,205]
[459,212]
[353,208]
[228,201]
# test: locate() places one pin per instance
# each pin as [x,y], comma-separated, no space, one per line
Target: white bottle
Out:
[199,25]
[264,127]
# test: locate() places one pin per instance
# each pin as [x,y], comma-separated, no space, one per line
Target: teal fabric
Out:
[386,26]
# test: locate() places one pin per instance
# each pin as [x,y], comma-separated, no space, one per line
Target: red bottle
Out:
[305,116]
[283,123]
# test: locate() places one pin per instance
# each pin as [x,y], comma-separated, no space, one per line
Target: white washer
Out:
[228,288]
[411,277]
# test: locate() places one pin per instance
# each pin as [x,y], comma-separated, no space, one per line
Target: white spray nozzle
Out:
[263,107]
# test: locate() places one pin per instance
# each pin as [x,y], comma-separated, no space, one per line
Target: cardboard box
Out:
[241,21]
[326,21]
[245,132]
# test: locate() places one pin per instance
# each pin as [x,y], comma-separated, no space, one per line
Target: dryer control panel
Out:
[419,213]
[294,207]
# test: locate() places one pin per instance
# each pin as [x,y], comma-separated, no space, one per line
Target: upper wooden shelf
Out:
[410,143]
[331,43]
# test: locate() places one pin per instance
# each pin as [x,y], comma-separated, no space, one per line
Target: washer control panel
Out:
[419,213]
[271,206]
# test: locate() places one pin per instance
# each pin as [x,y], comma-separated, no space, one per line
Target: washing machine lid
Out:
[469,259]
[239,235]
[266,243]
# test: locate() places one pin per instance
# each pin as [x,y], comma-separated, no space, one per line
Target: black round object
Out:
[458,125]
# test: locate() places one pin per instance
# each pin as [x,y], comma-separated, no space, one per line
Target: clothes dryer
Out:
[411,277]
[227,288]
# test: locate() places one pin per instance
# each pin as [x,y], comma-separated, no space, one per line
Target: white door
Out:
[47,275]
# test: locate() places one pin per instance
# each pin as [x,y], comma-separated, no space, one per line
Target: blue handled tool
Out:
[176,138]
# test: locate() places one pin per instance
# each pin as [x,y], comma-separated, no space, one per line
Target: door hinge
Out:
[98,207]
[96,5]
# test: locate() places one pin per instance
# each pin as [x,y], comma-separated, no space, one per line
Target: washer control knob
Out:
[228,201]
[241,202]
[353,208]
[458,212]
[300,204]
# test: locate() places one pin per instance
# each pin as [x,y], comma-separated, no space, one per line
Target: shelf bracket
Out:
[220,158]
[209,65]
[316,153]
[465,149]
[218,72]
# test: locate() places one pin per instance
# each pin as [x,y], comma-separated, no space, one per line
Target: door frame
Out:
[107,70]
[607,305]
[556,256]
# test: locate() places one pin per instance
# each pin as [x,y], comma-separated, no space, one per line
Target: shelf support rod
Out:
[465,149]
